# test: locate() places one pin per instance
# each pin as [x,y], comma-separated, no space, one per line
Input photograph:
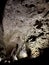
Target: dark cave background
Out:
[42,59]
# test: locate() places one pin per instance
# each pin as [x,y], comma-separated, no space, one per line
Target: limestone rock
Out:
[26,22]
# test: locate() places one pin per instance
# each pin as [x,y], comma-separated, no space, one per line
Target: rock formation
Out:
[26,24]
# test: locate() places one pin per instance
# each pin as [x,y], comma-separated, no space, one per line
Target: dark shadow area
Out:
[2,6]
[47,1]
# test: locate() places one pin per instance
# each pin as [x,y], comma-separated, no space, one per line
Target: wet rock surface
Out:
[26,28]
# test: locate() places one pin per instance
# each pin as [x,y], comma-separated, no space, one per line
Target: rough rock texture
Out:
[26,22]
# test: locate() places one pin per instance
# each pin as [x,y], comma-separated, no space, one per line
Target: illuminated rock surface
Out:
[26,24]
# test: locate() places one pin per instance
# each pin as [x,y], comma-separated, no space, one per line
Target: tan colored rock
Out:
[18,23]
